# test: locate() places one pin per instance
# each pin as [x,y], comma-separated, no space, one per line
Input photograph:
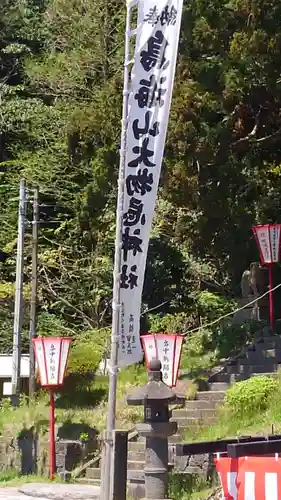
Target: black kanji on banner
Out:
[154,56]
[140,131]
[144,155]
[150,93]
[135,213]
[165,17]
[131,242]
[128,280]
[140,183]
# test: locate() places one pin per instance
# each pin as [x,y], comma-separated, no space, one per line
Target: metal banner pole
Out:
[106,489]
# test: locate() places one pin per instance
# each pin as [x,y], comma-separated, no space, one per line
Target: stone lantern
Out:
[155,397]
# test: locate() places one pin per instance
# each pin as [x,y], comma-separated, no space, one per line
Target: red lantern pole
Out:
[52,436]
[271,305]
[51,355]
[268,240]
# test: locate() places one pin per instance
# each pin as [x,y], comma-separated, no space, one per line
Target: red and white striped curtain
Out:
[250,478]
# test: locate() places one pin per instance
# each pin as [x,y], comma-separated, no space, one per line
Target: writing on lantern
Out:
[52,362]
[166,360]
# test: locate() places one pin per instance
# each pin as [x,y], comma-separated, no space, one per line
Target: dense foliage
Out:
[251,396]
[61,89]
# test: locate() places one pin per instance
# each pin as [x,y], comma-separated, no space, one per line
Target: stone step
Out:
[217,396]
[184,422]
[258,359]
[203,404]
[229,378]
[136,455]
[136,446]
[93,473]
[270,342]
[218,386]
[135,476]
[192,409]
[193,413]
[249,369]
[270,374]
[134,465]
[139,446]
[87,480]
[260,351]
[176,438]
[135,471]
[192,470]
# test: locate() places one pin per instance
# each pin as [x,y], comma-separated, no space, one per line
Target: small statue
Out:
[252,281]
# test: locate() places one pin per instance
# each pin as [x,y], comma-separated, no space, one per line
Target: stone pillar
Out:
[156,457]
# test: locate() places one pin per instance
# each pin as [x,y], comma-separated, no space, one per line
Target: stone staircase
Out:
[260,358]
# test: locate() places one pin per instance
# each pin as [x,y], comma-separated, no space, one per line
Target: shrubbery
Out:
[85,356]
[252,395]
[212,305]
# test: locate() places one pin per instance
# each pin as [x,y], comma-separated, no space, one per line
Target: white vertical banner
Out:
[152,77]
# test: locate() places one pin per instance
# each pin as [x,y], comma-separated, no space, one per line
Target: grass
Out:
[186,487]
[74,407]
[12,478]
[198,495]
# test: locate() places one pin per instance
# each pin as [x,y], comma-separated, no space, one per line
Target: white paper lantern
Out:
[268,240]
[51,355]
[166,348]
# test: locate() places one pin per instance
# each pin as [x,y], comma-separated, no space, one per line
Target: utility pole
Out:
[18,297]
[33,304]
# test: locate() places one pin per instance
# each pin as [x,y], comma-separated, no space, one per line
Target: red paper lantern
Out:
[167,348]
[268,240]
[51,355]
